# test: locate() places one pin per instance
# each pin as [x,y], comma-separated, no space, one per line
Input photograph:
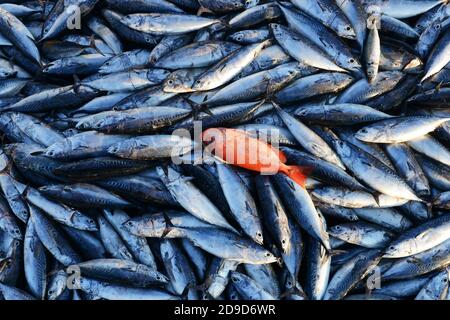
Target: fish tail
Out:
[298,174]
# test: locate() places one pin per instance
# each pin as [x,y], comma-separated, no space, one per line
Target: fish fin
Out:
[203,10]
[93,45]
[76,83]
[422,235]
[184,295]
[198,108]
[298,174]
[169,225]
[376,195]
[276,106]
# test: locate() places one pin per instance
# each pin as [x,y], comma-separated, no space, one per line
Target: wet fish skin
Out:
[315,31]
[419,264]
[366,168]
[406,164]
[111,240]
[299,203]
[274,213]
[248,288]
[138,246]
[230,246]
[35,262]
[52,239]
[323,170]
[14,30]
[343,114]
[117,292]
[318,270]
[416,240]
[399,129]
[166,24]
[362,234]
[123,272]
[229,67]
[350,273]
[241,203]
[372,51]
[311,55]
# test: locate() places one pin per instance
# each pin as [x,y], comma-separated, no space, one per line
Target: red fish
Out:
[238,148]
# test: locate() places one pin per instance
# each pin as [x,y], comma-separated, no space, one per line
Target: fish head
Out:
[251,3]
[354,65]
[400,249]
[178,82]
[119,148]
[110,66]
[57,285]
[236,277]
[340,231]
[56,150]
[345,30]
[203,84]
[131,226]
[51,189]
[84,222]
[342,148]
[367,134]
[54,65]
[7,73]
[132,21]
[237,36]
[276,29]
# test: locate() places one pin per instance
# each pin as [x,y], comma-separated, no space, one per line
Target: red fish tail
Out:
[298,174]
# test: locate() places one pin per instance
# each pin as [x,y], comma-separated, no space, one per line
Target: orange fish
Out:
[238,148]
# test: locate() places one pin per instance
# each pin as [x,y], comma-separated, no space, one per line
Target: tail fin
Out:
[298,174]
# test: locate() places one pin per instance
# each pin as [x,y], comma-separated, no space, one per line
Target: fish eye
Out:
[50,292]
[259,235]
[91,221]
[170,82]
[351,60]
[268,254]
[51,153]
[233,296]
[130,224]
[235,279]
[363,130]
[348,28]
[391,248]
[337,227]
[73,281]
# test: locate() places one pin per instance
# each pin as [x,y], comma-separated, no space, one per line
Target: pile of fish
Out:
[95,96]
